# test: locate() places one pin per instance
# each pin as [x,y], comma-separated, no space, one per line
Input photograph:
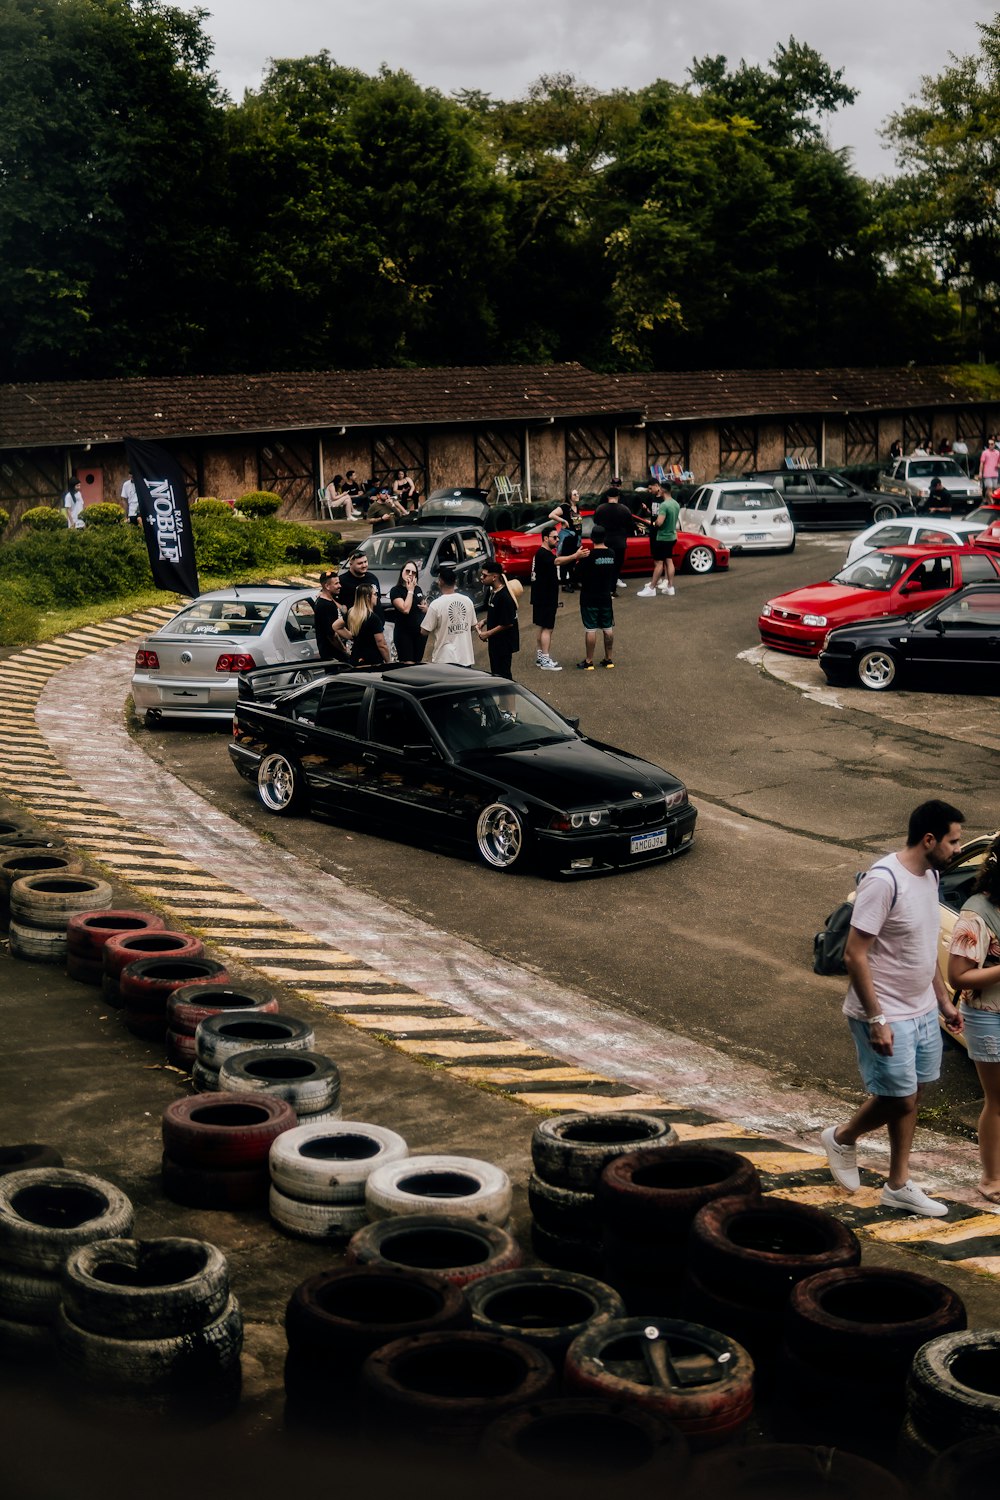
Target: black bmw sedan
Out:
[955,643]
[454,756]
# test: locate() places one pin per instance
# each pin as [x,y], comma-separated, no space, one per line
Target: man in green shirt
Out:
[662,536]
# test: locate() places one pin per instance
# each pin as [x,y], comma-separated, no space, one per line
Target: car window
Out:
[876,570]
[386,551]
[929,535]
[945,468]
[831,484]
[743,500]
[889,536]
[795,486]
[242,617]
[396,722]
[935,573]
[301,620]
[472,544]
[307,707]
[448,551]
[338,709]
[699,500]
[493,720]
[978,570]
[981,610]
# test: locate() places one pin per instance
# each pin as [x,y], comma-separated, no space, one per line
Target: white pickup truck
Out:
[913,476]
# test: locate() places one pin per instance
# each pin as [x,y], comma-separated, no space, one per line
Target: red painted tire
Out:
[180,1049]
[869,1319]
[459,1250]
[346,1314]
[119,952]
[662,1190]
[85,970]
[145,987]
[88,931]
[212,1131]
[618,1360]
[222,1190]
[757,1248]
[187,1007]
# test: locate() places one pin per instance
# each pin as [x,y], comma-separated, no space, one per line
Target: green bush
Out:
[336,548]
[259,504]
[208,506]
[298,543]
[20,621]
[44,518]
[77,567]
[105,514]
[4,518]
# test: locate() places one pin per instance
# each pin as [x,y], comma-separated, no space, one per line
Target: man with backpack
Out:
[893,1001]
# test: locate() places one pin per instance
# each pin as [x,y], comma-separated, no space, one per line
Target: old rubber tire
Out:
[966,1472]
[37,860]
[45,1212]
[36,945]
[119,952]
[50,900]
[84,970]
[21,1158]
[320,1163]
[222,1189]
[141,1289]
[309,1081]
[190,1005]
[571,1151]
[869,1317]
[281,785]
[88,931]
[347,1314]
[793,1470]
[566,1252]
[29,1298]
[315,1221]
[884,513]
[460,1250]
[662,1190]
[757,1248]
[616,1359]
[458,1185]
[564,1210]
[226,1034]
[545,1308]
[954,1387]
[178,1362]
[447,1387]
[583,1447]
[876,670]
[146,985]
[754,1324]
[181,1050]
[212,1131]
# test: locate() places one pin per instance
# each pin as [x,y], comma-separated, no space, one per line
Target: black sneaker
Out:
[606,663]
[585,666]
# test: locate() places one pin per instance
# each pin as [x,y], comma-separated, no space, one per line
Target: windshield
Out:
[929,468]
[222,617]
[749,500]
[391,552]
[986,514]
[494,719]
[876,570]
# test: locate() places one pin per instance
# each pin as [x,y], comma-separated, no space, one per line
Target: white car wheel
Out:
[321,1162]
[701,560]
[456,1185]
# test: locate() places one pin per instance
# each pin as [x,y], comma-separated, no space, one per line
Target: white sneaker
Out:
[621,586]
[661,588]
[647,593]
[910,1199]
[843,1160]
[548,665]
[671,590]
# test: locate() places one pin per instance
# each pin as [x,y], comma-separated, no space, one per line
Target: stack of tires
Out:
[568,1154]
[215,1149]
[189,1005]
[459,1250]
[88,931]
[744,1257]
[647,1202]
[545,1308]
[585,1448]
[468,1188]
[850,1338]
[119,952]
[222,1036]
[41,908]
[952,1396]
[309,1081]
[146,985]
[36,859]
[46,1211]
[319,1173]
[151,1321]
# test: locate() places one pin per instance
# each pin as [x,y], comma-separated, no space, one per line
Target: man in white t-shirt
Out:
[893,1001]
[449,621]
[131,499]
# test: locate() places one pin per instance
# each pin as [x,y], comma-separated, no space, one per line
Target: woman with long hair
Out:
[367,628]
[974,971]
[409,605]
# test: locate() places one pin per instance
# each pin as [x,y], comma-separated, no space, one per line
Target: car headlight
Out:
[768,609]
[577,822]
[678,798]
[814,620]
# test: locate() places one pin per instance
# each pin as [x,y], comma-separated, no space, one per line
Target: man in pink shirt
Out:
[989,467]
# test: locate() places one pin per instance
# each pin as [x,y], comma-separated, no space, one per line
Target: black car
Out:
[455,756]
[820,500]
[955,642]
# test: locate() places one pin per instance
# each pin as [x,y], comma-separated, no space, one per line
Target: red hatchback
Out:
[891,581]
[692,554]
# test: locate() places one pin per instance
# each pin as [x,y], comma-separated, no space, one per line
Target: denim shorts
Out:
[916,1056]
[982,1033]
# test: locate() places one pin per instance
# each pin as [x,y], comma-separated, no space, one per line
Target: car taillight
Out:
[148,659]
[237,661]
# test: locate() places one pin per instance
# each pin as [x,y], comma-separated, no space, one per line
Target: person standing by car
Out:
[332,637]
[974,971]
[989,467]
[597,572]
[938,502]
[409,604]
[545,596]
[367,628]
[500,629]
[355,574]
[616,519]
[567,514]
[662,540]
[895,993]
[450,621]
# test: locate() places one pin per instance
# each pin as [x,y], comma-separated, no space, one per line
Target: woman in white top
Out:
[337,501]
[974,971]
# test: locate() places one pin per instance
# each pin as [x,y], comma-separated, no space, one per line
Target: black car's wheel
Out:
[280,785]
[501,836]
[884,513]
[877,670]
[701,559]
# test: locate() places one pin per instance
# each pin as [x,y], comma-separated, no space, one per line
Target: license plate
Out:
[188,695]
[756,536]
[641,843]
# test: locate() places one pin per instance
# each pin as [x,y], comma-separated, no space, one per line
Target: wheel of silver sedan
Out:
[876,670]
[279,784]
[700,560]
[501,837]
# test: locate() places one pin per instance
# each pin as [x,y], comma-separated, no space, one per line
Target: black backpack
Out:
[829,945]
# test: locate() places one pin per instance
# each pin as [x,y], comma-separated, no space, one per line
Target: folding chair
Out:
[656,471]
[506,489]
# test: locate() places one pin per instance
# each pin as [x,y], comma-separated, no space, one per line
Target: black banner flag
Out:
[166,520]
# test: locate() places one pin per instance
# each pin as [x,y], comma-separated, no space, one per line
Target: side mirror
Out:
[420,752]
[913,586]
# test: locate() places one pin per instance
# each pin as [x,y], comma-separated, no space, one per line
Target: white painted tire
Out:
[308,1081]
[230,1032]
[324,1117]
[330,1163]
[37,945]
[316,1221]
[457,1185]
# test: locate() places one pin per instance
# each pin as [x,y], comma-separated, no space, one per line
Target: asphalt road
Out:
[794,795]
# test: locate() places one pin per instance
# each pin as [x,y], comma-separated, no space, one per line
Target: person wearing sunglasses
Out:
[408,603]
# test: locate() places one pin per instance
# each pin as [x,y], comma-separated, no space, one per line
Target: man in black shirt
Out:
[597,573]
[357,572]
[616,520]
[500,630]
[331,632]
[545,596]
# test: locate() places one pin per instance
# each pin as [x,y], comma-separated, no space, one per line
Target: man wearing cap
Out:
[449,621]
[499,630]
[356,572]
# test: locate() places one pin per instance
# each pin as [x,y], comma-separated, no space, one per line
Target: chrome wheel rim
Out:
[877,669]
[499,835]
[701,560]
[276,782]
[883,513]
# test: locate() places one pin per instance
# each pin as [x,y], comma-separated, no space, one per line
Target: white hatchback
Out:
[931,531]
[744,516]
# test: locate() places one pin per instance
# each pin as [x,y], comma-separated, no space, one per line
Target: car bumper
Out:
[836,668]
[799,640]
[245,759]
[574,854]
[178,698]
[770,541]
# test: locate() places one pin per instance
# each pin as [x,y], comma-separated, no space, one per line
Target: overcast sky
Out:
[500,46]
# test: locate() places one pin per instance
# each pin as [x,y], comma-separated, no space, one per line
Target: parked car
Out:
[912,477]
[820,500]
[744,516]
[190,667]
[892,581]
[449,527]
[455,756]
[692,554]
[955,642]
[913,531]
